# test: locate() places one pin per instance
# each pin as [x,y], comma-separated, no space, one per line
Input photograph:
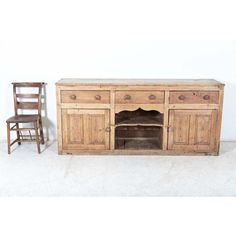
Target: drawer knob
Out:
[206,97]
[182,97]
[152,97]
[73,97]
[108,129]
[98,97]
[127,97]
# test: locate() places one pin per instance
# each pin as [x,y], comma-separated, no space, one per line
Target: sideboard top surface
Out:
[136,82]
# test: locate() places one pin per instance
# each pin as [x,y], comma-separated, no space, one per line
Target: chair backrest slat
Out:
[27,95]
[34,100]
[28,85]
[27,105]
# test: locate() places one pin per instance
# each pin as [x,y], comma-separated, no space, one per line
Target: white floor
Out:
[25,173]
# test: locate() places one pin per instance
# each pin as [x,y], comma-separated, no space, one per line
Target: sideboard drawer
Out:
[84,96]
[139,97]
[194,97]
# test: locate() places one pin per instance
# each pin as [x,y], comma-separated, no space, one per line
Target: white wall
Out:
[49,61]
[50,39]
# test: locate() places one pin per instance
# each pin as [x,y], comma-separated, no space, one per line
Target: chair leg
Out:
[37,136]
[18,134]
[9,138]
[41,131]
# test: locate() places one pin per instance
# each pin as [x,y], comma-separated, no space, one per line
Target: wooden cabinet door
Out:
[192,130]
[85,129]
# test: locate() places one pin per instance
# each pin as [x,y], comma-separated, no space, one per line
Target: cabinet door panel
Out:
[192,130]
[181,134]
[203,129]
[75,122]
[85,129]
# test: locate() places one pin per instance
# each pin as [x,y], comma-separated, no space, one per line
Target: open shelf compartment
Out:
[139,129]
[139,137]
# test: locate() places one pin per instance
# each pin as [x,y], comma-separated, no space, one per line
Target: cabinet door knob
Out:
[108,129]
[127,97]
[182,97]
[152,97]
[206,97]
[73,97]
[98,97]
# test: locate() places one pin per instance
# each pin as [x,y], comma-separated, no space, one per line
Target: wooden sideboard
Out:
[150,117]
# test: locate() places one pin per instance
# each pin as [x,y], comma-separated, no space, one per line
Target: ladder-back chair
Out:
[26,101]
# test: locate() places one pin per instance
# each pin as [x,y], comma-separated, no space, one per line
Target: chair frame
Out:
[20,105]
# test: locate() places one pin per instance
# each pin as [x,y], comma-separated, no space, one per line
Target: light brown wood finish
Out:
[194,97]
[87,111]
[166,119]
[112,120]
[219,120]
[85,97]
[85,129]
[139,82]
[133,107]
[139,97]
[193,130]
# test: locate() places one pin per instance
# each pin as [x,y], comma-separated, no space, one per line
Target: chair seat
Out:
[23,119]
